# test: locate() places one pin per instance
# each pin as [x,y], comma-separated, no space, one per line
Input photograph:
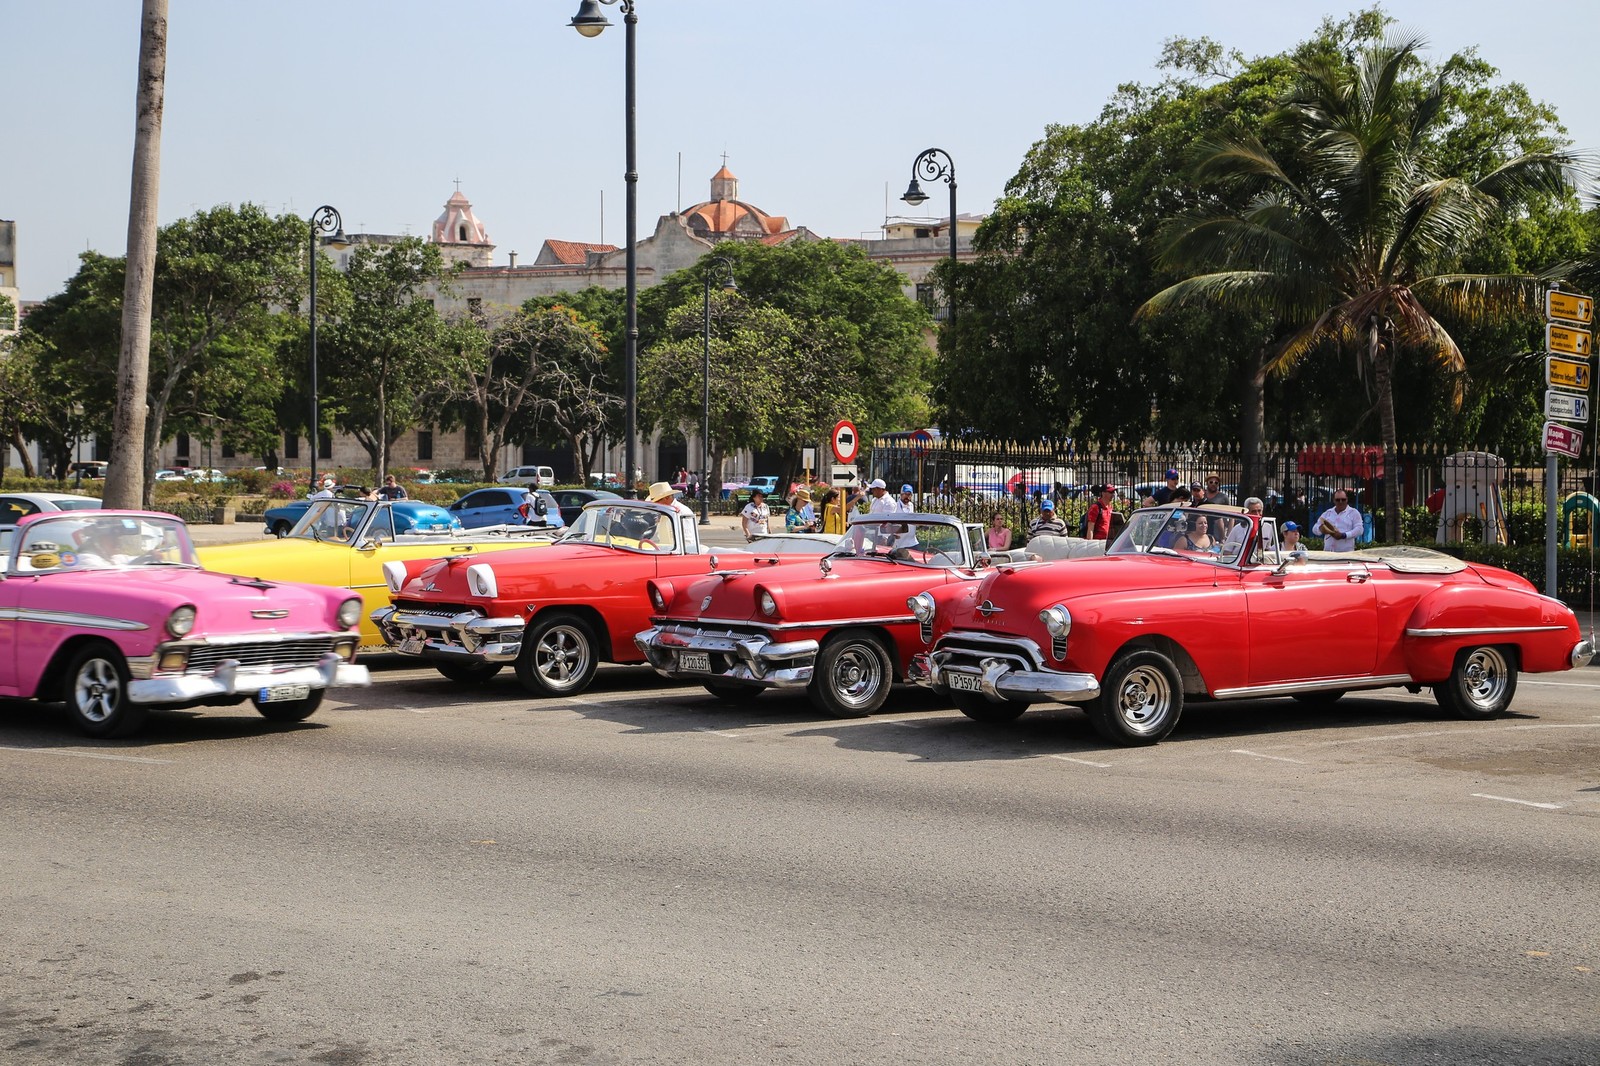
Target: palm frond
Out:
[1293,297]
[1482,298]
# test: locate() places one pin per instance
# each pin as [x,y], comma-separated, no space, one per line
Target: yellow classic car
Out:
[344,543]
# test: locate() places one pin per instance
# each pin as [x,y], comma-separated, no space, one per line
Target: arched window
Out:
[462,237]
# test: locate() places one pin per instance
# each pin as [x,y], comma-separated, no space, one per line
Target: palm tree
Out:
[1350,237]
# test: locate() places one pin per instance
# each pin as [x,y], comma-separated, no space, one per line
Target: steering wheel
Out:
[648,544]
[146,559]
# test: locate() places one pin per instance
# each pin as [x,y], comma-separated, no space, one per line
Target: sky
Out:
[377,107]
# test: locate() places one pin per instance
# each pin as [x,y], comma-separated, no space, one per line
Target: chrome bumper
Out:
[999,680]
[467,635]
[232,679]
[754,658]
[1582,654]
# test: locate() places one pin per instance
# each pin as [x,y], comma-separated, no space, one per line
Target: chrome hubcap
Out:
[97,690]
[857,676]
[1144,699]
[562,655]
[1483,677]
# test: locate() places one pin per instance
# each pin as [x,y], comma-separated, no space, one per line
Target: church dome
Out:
[725,216]
[458,225]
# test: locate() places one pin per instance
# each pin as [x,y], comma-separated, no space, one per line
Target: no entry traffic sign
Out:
[846,441]
[921,444]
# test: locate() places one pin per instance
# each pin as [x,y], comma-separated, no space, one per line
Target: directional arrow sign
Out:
[1568,340]
[1565,406]
[1562,440]
[1569,307]
[1566,373]
[847,442]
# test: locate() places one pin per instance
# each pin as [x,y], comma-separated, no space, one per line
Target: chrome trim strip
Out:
[70,618]
[1326,684]
[1466,631]
[705,622]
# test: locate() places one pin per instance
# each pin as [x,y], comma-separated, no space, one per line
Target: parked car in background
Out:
[170,475]
[1134,634]
[542,476]
[345,543]
[89,469]
[15,506]
[837,626]
[572,501]
[508,506]
[284,517]
[111,614]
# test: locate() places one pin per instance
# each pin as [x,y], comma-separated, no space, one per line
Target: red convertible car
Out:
[555,613]
[837,626]
[109,612]
[1171,613]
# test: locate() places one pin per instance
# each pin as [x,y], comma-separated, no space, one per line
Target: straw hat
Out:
[659,492]
[803,492]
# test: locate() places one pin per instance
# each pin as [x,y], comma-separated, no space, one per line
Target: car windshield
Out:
[100,542]
[626,524]
[332,520]
[901,539]
[1210,534]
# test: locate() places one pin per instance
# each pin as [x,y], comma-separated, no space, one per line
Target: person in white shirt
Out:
[326,492]
[1340,524]
[755,516]
[1240,530]
[661,492]
[907,501]
[882,502]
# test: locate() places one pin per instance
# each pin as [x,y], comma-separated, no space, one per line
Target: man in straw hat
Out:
[661,492]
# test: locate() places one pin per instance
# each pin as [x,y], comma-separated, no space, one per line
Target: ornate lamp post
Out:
[726,268]
[591,22]
[928,166]
[323,220]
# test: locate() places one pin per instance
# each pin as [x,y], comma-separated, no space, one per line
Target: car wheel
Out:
[1319,701]
[1140,700]
[983,709]
[280,528]
[468,673]
[1480,685]
[96,693]
[558,656]
[852,676]
[290,710]
[733,691]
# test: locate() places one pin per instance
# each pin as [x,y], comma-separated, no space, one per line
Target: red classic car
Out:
[108,611]
[1178,609]
[837,626]
[555,612]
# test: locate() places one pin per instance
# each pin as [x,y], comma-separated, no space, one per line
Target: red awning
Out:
[1341,460]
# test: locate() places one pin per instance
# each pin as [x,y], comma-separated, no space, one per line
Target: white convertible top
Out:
[1410,559]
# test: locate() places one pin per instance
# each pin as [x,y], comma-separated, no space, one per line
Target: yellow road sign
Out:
[1566,373]
[1568,306]
[1568,340]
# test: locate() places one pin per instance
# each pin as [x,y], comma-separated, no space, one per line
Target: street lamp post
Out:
[726,265]
[323,220]
[591,22]
[928,166]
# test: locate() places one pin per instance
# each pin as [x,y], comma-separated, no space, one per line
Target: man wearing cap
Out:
[882,502]
[1098,526]
[1047,524]
[1163,493]
[326,492]
[1214,492]
[907,501]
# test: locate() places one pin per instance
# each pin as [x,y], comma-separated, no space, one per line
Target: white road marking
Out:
[1258,755]
[1556,684]
[1525,803]
[715,732]
[1084,762]
[1556,725]
[85,754]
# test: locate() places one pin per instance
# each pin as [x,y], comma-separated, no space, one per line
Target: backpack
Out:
[1083,524]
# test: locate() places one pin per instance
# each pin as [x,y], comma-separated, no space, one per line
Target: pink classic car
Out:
[1179,608]
[837,627]
[109,612]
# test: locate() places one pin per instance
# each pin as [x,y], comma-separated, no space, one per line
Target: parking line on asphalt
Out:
[1258,755]
[1082,762]
[1525,803]
[715,732]
[1558,684]
[86,754]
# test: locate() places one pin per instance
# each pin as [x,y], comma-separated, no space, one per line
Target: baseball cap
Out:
[1047,505]
[1171,474]
[1291,525]
[877,483]
[907,488]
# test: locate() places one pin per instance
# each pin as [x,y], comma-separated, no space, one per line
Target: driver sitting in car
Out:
[103,545]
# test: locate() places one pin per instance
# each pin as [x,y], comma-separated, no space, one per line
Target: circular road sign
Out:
[846,441]
[921,443]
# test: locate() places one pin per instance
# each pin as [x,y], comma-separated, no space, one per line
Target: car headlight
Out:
[1057,620]
[921,607]
[481,581]
[394,575]
[349,612]
[765,602]
[181,621]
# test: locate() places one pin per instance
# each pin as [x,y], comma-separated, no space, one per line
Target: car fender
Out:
[1463,615]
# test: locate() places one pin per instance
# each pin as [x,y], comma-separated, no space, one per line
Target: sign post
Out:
[1565,313]
[921,444]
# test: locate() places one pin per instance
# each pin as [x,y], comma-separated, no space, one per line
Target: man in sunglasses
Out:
[1340,524]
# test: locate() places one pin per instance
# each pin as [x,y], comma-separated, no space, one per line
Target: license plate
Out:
[283,693]
[963,682]
[696,661]
[412,645]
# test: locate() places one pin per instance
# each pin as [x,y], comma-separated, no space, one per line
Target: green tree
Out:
[1352,236]
[386,345]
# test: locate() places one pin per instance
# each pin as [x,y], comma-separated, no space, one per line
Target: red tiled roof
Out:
[575,252]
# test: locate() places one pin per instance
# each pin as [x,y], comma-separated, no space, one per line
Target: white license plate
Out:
[697,661]
[963,682]
[283,693]
[412,645]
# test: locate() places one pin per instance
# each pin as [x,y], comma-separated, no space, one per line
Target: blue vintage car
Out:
[410,516]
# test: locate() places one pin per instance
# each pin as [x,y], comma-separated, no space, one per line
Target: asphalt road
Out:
[428,873]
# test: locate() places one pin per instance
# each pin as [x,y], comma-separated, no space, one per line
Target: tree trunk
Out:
[1382,355]
[125,481]
[1252,429]
[22,453]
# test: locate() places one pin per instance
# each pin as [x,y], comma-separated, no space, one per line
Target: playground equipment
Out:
[1472,490]
[1578,510]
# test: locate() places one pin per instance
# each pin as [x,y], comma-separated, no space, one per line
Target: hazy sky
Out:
[376,106]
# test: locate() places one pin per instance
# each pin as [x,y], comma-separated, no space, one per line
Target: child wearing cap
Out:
[1291,538]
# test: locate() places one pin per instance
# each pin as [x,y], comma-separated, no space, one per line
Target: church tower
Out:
[460,236]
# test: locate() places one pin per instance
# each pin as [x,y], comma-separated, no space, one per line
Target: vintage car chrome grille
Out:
[300,651]
[444,614]
[972,649]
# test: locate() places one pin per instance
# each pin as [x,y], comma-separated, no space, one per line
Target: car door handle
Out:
[463,547]
[1358,577]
